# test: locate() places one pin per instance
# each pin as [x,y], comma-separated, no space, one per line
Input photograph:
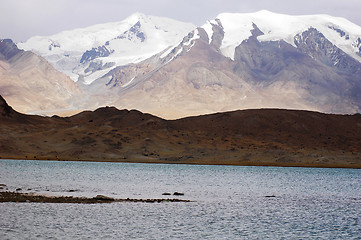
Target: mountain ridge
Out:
[258,137]
[236,61]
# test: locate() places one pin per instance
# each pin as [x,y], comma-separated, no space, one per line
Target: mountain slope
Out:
[31,84]
[269,137]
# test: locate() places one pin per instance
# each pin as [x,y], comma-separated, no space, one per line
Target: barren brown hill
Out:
[269,137]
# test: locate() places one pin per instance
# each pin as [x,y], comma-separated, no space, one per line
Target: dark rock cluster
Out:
[26,197]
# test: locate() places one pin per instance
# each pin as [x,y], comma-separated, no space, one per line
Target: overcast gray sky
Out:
[22,19]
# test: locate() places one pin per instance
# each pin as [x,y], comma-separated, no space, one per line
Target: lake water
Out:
[229,202]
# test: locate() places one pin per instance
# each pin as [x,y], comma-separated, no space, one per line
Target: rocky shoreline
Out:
[29,197]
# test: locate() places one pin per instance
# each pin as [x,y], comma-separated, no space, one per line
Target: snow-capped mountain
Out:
[240,61]
[236,61]
[89,53]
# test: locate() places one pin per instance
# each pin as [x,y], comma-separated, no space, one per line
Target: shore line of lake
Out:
[200,162]
[29,197]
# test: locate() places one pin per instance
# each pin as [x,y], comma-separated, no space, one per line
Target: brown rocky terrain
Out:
[267,137]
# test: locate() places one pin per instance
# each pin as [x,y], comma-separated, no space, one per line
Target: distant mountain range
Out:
[236,61]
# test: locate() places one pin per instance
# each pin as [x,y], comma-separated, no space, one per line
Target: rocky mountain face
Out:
[236,61]
[31,84]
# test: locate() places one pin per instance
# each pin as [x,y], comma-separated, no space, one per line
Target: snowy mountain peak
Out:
[237,27]
[89,53]
[135,17]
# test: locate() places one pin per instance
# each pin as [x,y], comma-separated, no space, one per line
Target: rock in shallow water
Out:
[103,198]
[178,194]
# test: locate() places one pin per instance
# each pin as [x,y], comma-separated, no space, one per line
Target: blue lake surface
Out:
[229,202]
